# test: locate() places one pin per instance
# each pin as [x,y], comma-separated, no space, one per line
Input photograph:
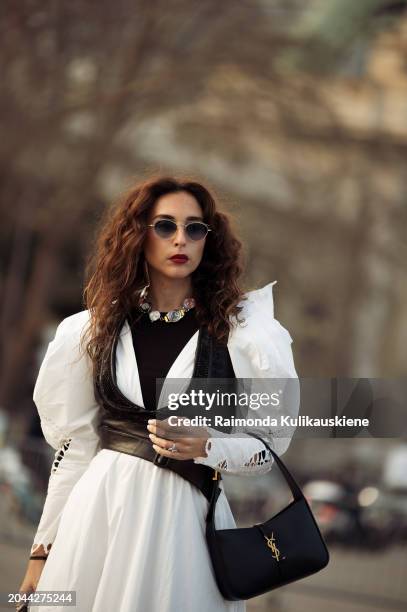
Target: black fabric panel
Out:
[157,344]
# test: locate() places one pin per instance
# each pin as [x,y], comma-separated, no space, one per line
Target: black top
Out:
[157,345]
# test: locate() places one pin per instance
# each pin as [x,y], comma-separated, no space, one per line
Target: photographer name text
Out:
[268,421]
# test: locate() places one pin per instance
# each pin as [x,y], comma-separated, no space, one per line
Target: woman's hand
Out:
[163,436]
[32,576]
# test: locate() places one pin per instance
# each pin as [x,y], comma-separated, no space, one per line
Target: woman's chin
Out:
[177,272]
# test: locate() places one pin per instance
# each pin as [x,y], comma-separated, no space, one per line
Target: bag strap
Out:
[294,487]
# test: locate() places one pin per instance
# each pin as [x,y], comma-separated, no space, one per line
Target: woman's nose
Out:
[180,235]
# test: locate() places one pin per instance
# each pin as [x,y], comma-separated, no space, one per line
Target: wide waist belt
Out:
[201,476]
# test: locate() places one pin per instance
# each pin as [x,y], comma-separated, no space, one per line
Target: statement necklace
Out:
[172,316]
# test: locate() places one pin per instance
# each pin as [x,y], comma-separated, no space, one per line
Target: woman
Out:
[124,519]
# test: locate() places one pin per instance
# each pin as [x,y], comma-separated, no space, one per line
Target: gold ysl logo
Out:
[216,477]
[271,543]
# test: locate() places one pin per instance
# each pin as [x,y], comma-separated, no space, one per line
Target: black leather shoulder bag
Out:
[253,560]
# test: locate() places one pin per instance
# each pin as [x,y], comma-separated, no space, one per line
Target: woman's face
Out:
[180,207]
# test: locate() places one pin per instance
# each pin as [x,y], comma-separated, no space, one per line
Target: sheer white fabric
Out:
[107,504]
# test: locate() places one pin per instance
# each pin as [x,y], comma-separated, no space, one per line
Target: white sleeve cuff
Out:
[235,454]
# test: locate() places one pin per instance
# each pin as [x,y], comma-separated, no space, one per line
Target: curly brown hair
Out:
[114,273]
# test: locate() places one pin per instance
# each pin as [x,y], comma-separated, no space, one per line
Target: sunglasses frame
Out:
[184,225]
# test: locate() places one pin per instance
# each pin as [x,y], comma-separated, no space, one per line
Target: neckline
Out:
[124,333]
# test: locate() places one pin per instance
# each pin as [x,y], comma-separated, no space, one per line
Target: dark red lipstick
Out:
[179,258]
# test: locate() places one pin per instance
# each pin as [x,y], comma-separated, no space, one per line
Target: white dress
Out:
[128,535]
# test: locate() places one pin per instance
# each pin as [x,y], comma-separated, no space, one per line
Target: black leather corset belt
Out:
[123,424]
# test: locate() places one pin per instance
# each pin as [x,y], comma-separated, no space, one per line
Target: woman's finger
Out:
[180,455]
[165,427]
[166,432]
[166,444]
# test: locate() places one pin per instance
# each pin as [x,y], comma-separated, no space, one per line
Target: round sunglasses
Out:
[165,228]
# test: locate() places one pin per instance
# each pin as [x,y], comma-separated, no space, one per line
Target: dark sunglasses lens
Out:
[196,231]
[165,229]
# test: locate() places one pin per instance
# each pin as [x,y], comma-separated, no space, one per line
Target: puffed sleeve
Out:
[69,415]
[262,358]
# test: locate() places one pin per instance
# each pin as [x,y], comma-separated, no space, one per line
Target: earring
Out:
[144,291]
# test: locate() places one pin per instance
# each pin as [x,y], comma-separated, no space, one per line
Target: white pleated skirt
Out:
[132,539]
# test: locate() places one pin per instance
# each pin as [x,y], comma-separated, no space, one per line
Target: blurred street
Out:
[352,582]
